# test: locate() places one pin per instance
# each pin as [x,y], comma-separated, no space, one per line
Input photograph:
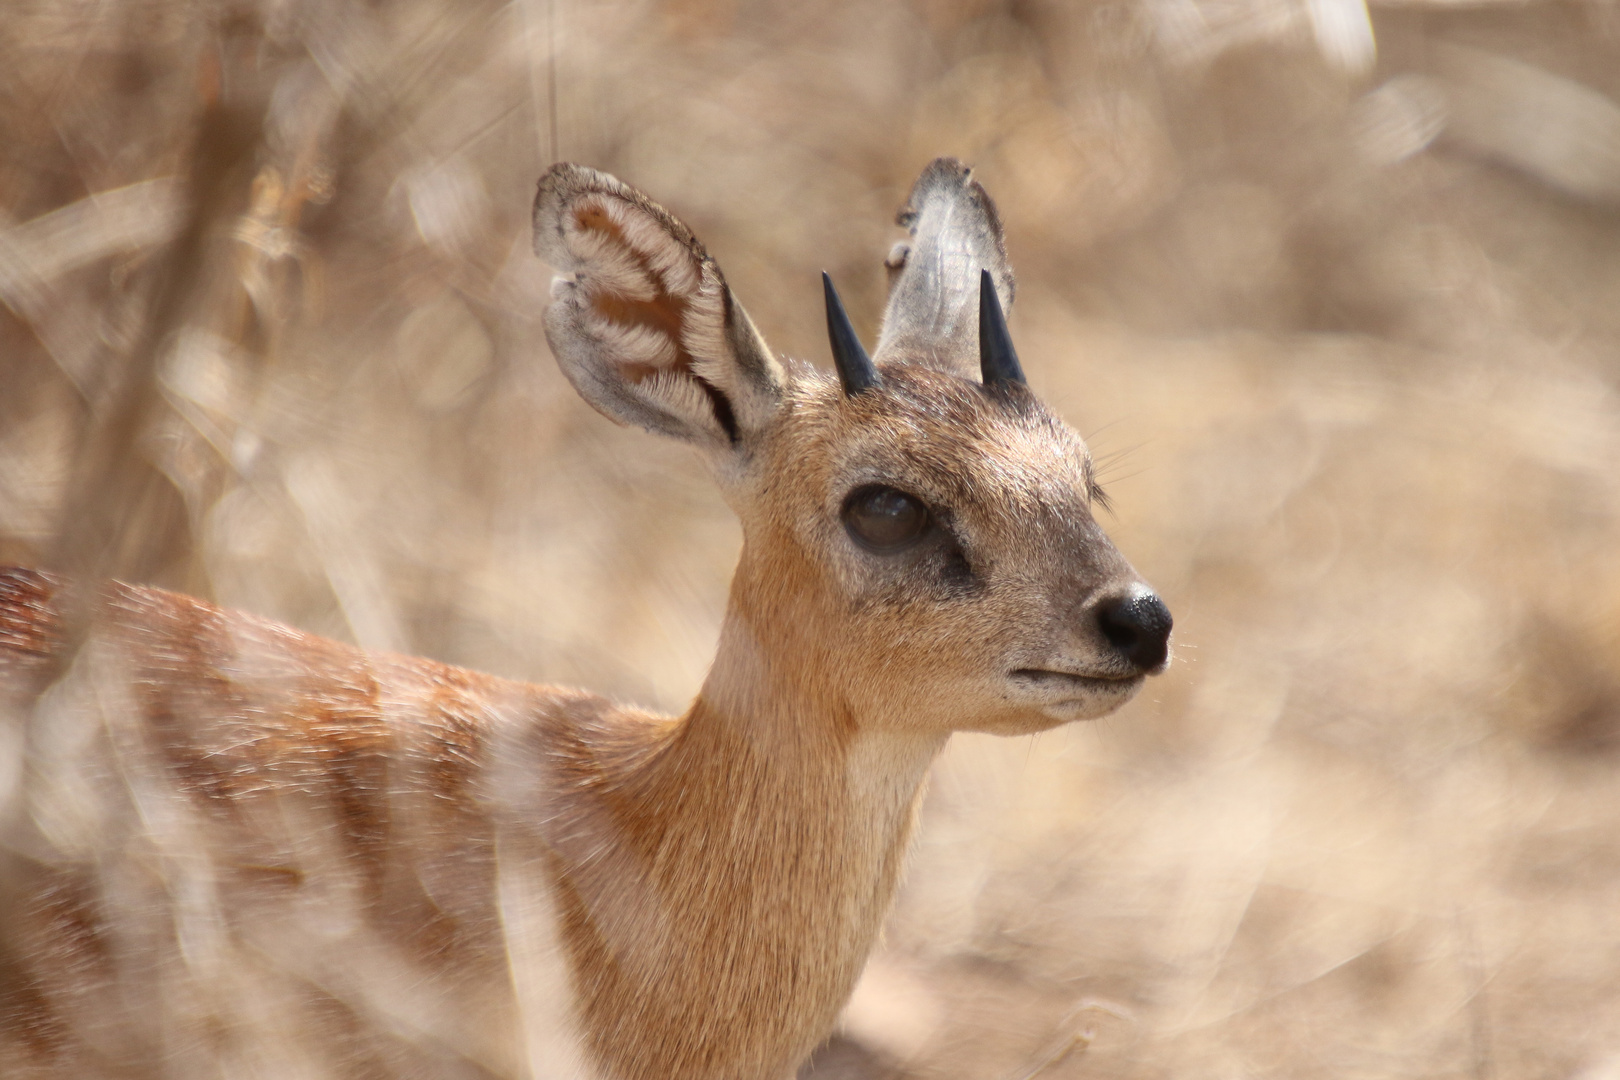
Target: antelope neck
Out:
[777,845]
[769,734]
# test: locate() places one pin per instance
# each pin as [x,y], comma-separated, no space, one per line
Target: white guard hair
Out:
[643,323]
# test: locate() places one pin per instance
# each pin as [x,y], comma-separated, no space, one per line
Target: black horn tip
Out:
[855,368]
[998,360]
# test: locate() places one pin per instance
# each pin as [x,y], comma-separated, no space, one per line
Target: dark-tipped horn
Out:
[998,361]
[855,368]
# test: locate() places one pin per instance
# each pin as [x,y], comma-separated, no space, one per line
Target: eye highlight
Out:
[883,519]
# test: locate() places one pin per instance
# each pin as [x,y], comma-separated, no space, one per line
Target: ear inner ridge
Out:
[649,323]
[656,307]
[642,321]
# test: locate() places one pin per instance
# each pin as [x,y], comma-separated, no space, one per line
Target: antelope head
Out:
[920,547]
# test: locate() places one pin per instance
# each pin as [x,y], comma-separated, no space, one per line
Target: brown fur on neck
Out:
[702,867]
[744,826]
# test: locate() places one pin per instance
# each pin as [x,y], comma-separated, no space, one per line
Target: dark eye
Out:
[883,519]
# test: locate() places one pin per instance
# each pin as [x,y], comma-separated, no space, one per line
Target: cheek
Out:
[952,648]
[925,605]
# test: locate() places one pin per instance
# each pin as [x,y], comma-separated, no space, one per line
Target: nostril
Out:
[1139,627]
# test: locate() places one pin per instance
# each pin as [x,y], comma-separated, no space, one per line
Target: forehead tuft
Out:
[964,437]
[914,389]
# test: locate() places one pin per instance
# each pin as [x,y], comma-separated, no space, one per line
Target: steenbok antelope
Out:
[236,850]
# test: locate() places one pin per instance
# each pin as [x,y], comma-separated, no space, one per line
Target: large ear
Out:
[933,314]
[643,323]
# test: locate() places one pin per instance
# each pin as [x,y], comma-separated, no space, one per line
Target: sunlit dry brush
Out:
[243,848]
[1334,309]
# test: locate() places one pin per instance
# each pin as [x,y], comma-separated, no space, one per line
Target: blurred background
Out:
[1334,292]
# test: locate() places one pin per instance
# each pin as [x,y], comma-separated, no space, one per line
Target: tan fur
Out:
[252,851]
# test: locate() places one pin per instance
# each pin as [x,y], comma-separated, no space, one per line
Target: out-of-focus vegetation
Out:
[1336,297]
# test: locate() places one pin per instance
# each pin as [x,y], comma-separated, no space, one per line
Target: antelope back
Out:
[242,850]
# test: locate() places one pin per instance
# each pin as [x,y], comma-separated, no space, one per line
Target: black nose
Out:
[1139,627]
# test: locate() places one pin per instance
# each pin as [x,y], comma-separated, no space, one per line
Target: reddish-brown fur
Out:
[243,848]
[730,852]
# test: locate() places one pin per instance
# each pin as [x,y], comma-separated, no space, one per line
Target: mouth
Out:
[1046,679]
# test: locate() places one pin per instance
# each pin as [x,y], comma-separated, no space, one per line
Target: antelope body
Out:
[240,850]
